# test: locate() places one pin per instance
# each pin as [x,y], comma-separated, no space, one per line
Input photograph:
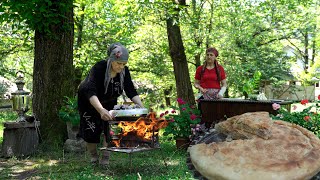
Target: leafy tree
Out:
[180,65]
[16,45]
[52,22]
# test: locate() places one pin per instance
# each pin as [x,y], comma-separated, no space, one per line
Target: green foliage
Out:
[3,89]
[69,111]
[6,116]
[180,125]
[250,36]
[308,118]
[16,48]
[39,15]
[252,84]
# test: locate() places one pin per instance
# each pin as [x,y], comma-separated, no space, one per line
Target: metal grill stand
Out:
[154,145]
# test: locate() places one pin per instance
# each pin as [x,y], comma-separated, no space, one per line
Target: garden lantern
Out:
[20,98]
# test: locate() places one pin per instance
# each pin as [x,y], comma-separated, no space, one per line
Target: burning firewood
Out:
[144,130]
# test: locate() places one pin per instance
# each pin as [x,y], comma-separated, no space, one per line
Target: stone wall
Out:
[292,92]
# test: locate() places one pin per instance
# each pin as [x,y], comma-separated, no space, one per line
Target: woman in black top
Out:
[98,94]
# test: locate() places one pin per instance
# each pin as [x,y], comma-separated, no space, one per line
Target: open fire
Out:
[140,133]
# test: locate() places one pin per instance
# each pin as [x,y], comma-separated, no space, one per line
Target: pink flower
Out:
[118,54]
[306,118]
[162,114]
[304,101]
[180,101]
[319,97]
[294,107]
[193,116]
[166,112]
[275,106]
[111,133]
[183,109]
[173,111]
[171,120]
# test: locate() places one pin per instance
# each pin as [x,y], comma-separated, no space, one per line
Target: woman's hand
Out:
[221,92]
[219,96]
[203,91]
[198,86]
[105,115]
[136,99]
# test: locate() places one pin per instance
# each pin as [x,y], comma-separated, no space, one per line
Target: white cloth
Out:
[222,91]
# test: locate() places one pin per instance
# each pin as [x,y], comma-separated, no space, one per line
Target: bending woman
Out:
[98,94]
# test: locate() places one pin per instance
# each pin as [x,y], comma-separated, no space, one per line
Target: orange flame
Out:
[144,128]
[116,142]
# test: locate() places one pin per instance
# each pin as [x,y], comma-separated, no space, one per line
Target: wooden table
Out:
[214,111]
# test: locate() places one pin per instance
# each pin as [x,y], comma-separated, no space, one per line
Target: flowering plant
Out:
[308,118]
[182,120]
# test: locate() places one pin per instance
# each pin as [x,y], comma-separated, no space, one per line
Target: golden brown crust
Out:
[292,152]
[252,124]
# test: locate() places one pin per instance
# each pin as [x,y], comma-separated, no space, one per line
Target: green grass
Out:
[166,163]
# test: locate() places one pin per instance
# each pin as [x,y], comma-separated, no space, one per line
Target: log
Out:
[20,138]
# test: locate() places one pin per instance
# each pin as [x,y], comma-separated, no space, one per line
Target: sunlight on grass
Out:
[19,166]
[173,162]
[52,162]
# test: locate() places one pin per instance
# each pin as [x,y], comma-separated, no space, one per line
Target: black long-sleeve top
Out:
[94,85]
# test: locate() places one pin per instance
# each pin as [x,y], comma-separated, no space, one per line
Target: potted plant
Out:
[182,122]
[69,114]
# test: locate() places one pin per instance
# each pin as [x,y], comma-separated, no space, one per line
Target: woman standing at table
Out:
[210,78]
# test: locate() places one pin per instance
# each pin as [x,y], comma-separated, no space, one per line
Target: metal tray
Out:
[129,112]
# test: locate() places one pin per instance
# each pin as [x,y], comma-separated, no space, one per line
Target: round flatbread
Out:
[291,152]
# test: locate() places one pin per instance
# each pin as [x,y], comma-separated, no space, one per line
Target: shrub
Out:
[69,111]
[308,118]
[181,119]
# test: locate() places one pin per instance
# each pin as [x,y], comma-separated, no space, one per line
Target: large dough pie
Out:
[261,149]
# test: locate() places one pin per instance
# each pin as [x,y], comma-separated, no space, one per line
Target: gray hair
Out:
[116,52]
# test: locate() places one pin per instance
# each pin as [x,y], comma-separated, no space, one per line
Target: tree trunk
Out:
[79,23]
[167,97]
[197,37]
[178,56]
[53,75]
[197,56]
